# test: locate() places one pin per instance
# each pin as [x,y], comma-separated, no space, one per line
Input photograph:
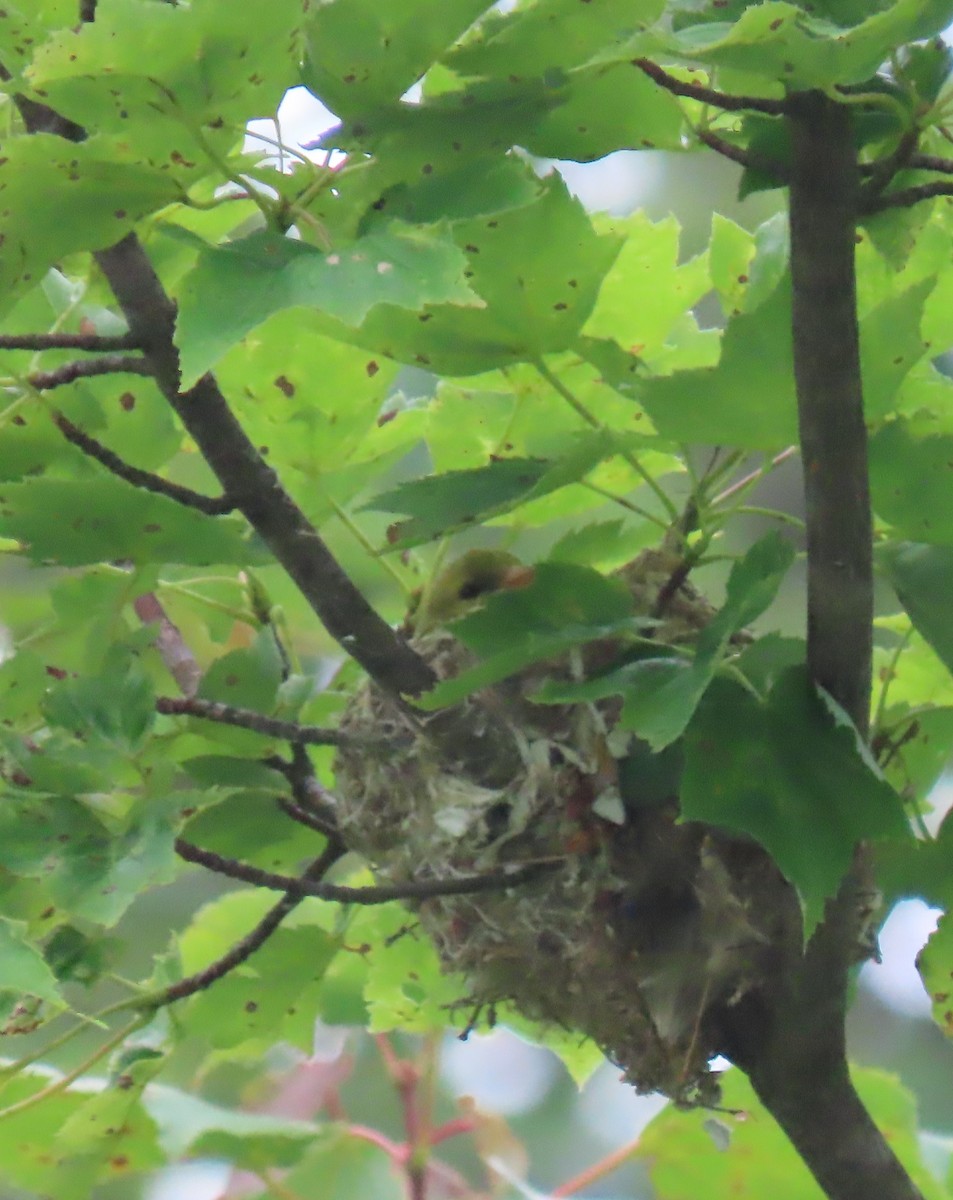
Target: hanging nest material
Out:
[644,932]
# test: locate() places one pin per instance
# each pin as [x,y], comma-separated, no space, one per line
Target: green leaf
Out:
[192,1126]
[41,176]
[608,107]
[165,71]
[535,301]
[740,1149]
[922,577]
[23,682]
[405,986]
[647,264]
[439,504]
[935,963]
[926,66]
[898,455]
[116,706]
[91,872]
[100,520]
[112,1135]
[771,655]
[793,775]
[22,967]
[920,868]
[549,35]
[417,150]
[236,287]
[891,345]
[746,269]
[249,825]
[454,191]
[748,399]
[270,379]
[362,55]
[342,1166]
[25,1158]
[660,693]
[601,544]
[565,605]
[246,1006]
[780,41]
[247,678]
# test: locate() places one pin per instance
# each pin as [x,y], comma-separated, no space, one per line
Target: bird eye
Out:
[471,589]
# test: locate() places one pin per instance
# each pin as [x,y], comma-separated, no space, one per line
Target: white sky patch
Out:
[302,118]
[499,1070]
[896,981]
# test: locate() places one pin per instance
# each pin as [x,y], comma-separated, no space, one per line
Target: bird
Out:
[462,586]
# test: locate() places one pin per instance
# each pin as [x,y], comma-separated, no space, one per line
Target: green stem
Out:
[63,1083]
[776,514]
[361,537]
[625,503]
[578,407]
[891,669]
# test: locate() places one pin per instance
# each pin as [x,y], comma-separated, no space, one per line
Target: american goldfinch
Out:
[462,585]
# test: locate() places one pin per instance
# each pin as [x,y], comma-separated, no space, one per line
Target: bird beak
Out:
[516,577]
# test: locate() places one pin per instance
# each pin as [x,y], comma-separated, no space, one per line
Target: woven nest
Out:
[646,929]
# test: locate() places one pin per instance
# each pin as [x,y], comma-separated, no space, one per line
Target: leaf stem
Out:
[624,502]
[578,407]
[63,1083]
[881,708]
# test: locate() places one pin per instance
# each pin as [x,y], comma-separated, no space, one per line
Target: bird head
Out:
[463,585]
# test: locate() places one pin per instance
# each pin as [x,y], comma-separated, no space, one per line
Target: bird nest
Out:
[640,931]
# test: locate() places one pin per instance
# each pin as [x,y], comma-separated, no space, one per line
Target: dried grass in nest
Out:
[645,931]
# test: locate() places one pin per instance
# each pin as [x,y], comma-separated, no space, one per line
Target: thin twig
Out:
[246,718]
[418,889]
[930,162]
[753,477]
[213,506]
[744,158]
[306,789]
[107,364]
[304,816]
[255,938]
[884,170]
[92,342]
[708,95]
[907,197]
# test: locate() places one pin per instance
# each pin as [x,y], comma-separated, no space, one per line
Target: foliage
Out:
[426,341]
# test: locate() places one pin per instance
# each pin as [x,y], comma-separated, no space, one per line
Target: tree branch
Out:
[244,718]
[907,197]
[415,889]
[792,1042]
[708,95]
[94,342]
[253,485]
[833,436]
[880,173]
[213,506]
[744,158]
[242,472]
[309,798]
[108,364]
[930,162]
[178,658]
[255,938]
